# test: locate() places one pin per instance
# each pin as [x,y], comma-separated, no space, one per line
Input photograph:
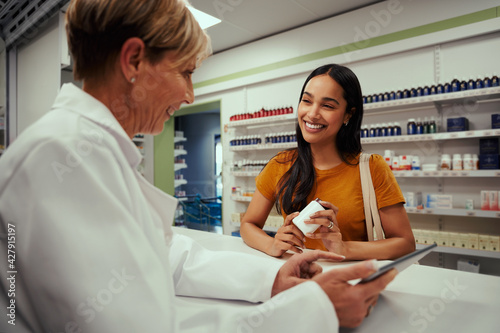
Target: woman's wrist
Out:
[346,250]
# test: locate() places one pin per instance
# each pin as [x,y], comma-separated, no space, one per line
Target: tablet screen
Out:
[402,263]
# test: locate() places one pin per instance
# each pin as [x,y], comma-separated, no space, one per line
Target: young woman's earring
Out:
[347,122]
[132,80]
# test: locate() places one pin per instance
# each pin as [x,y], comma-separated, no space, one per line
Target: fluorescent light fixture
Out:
[205,20]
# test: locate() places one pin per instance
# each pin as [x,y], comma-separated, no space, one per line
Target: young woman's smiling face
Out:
[322,110]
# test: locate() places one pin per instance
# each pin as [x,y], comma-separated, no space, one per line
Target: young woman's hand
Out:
[329,230]
[287,238]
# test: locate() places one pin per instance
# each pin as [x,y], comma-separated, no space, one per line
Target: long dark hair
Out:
[298,182]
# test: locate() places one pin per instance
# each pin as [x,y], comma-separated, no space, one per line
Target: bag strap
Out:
[372,216]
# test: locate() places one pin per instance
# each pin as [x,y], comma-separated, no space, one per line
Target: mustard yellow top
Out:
[341,186]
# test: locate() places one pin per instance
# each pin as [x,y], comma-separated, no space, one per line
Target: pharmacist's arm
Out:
[399,238]
[287,238]
[199,272]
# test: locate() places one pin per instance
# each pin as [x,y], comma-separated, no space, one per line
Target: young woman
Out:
[326,165]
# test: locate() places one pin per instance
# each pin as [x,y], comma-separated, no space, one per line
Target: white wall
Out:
[38,75]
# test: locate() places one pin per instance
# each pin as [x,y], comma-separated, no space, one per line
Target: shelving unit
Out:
[455,182]
[264,121]
[455,212]
[409,104]
[468,252]
[178,166]
[433,137]
[268,146]
[261,127]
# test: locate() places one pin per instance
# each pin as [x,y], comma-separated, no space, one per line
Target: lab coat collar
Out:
[76,100]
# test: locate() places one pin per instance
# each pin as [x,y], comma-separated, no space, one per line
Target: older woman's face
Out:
[159,91]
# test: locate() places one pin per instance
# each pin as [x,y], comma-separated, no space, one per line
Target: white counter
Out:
[420,299]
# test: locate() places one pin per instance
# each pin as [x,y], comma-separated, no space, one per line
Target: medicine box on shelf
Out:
[457,124]
[489,161]
[488,146]
[495,120]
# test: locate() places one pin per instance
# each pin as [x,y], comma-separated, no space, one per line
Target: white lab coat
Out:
[94,250]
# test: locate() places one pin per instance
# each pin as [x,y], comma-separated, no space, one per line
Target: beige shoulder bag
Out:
[372,217]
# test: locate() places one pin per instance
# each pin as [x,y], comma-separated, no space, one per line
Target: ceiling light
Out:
[205,20]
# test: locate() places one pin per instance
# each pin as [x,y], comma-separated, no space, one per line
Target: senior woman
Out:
[94,248]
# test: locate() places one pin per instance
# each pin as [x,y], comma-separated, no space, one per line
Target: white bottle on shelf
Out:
[457,163]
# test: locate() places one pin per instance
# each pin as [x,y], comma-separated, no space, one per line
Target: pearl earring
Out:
[132,80]
[347,122]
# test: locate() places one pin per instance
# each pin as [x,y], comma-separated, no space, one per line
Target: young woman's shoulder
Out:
[285,157]
[377,162]
[377,159]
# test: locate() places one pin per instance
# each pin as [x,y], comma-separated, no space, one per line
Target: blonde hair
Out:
[97,29]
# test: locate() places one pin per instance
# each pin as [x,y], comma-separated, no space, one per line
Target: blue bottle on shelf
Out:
[455,85]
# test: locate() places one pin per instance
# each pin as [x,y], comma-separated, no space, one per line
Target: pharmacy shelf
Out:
[412,173]
[179,166]
[241,198]
[433,137]
[266,227]
[446,173]
[454,212]
[245,173]
[468,96]
[179,152]
[179,182]
[291,117]
[461,251]
[179,139]
[268,146]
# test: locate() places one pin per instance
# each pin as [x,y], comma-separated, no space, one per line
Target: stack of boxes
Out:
[457,239]
[488,153]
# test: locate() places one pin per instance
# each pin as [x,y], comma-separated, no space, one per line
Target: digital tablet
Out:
[401,264]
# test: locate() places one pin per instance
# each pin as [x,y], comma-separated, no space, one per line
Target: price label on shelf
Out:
[429,211]
[470,213]
[497,173]
[488,133]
